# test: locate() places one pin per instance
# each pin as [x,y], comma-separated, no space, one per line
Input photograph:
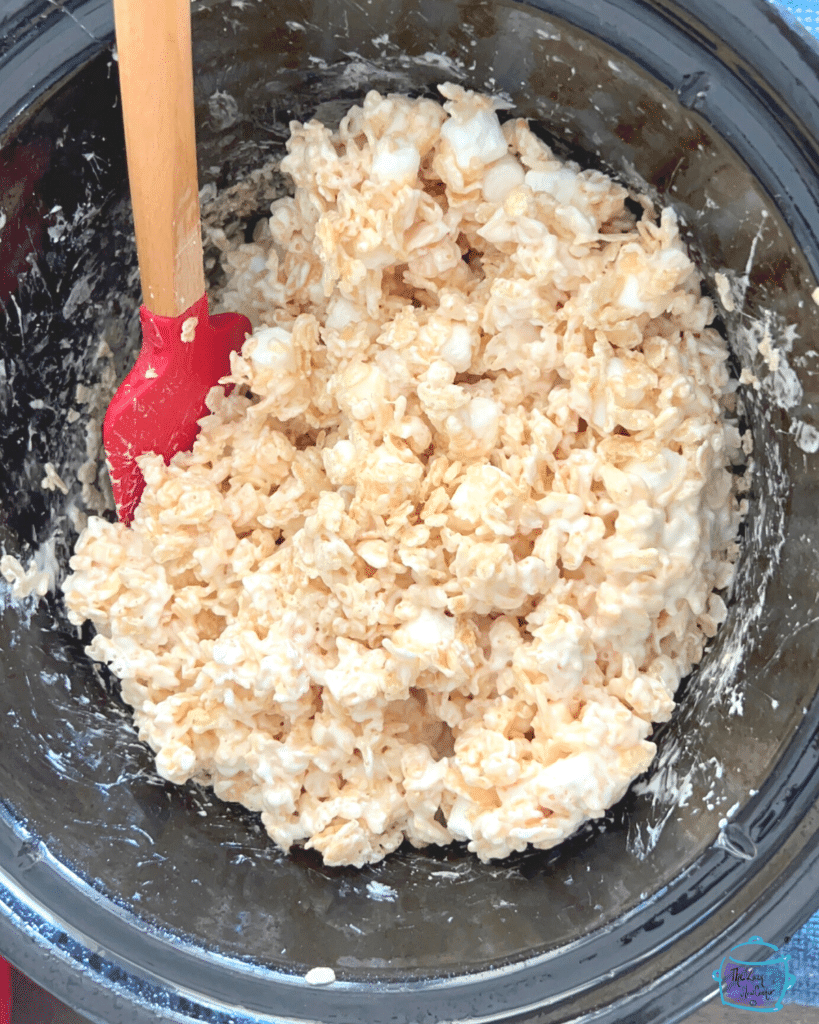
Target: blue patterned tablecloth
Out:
[804,946]
[807,13]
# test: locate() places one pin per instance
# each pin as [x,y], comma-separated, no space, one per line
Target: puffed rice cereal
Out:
[442,556]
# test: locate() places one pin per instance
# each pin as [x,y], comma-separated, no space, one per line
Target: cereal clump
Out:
[442,556]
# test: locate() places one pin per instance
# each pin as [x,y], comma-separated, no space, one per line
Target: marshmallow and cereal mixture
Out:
[442,556]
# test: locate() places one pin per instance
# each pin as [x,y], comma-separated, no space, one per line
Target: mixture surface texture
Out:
[443,554]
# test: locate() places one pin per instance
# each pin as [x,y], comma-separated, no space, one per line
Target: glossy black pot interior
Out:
[136,900]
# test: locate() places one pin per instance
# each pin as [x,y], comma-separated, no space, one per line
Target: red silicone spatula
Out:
[184,350]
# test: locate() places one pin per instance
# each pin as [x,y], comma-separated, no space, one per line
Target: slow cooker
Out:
[133,900]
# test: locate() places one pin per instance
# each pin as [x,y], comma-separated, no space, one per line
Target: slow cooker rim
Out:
[26,85]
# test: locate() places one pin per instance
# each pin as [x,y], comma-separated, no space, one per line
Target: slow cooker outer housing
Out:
[133,900]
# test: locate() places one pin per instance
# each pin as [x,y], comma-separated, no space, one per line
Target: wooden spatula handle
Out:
[156,80]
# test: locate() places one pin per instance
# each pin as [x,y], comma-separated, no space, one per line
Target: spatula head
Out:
[157,406]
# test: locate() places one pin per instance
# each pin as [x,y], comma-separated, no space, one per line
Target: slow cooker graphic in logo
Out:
[750,983]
